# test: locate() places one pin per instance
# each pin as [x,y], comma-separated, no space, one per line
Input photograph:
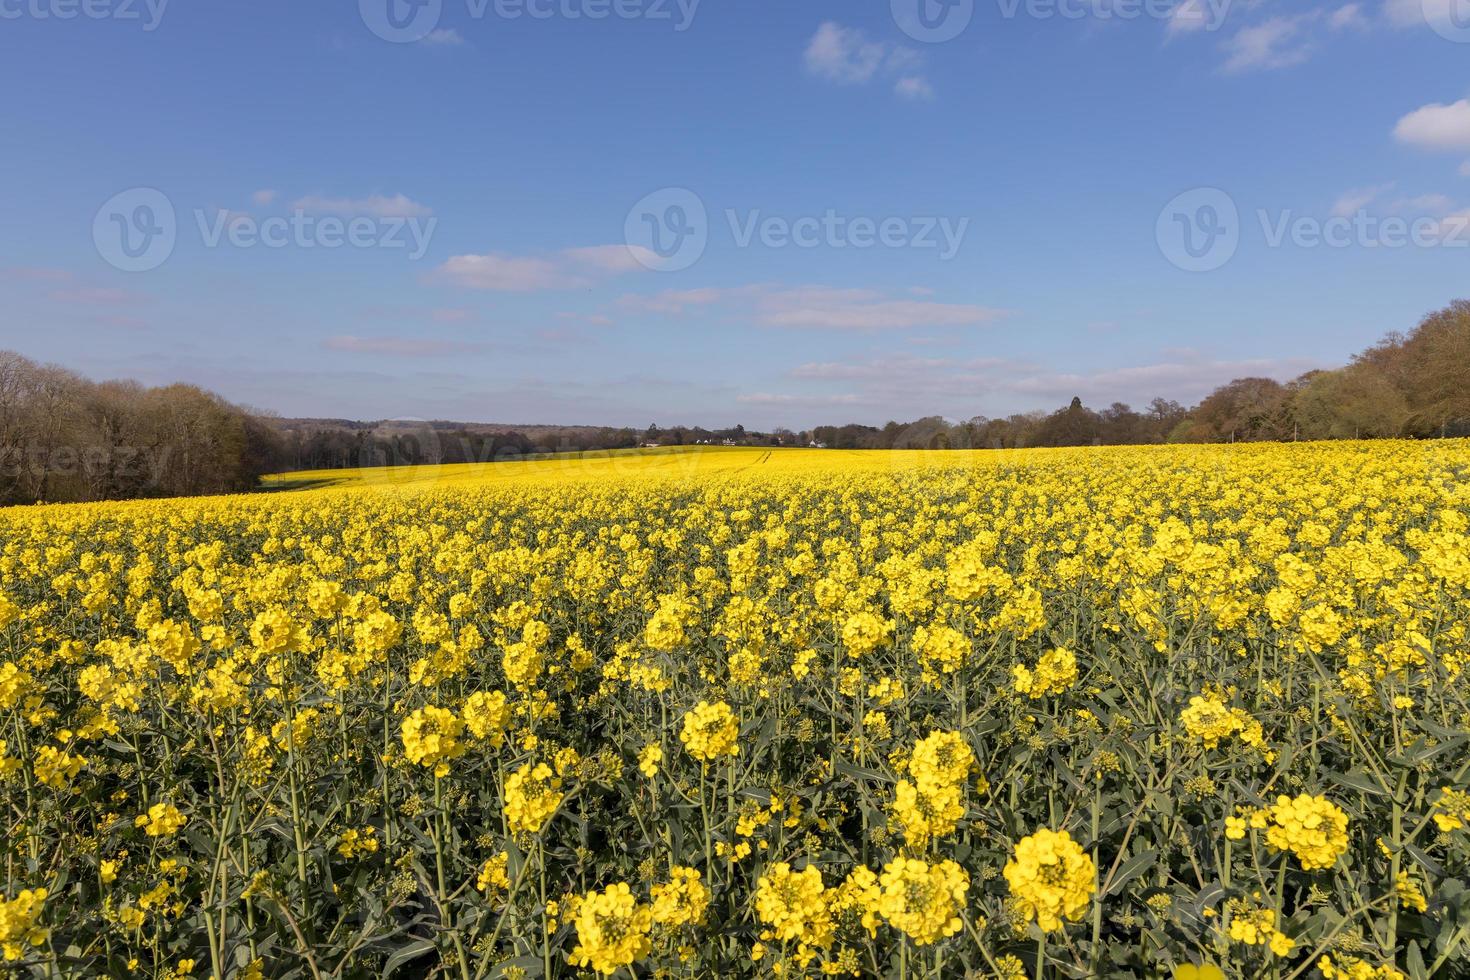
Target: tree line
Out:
[65,438]
[1414,385]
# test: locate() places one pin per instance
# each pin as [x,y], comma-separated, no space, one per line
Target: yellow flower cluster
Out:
[923,901]
[493,875]
[1051,878]
[680,901]
[432,738]
[612,929]
[161,820]
[931,805]
[19,918]
[1211,721]
[1452,809]
[533,794]
[710,731]
[1055,673]
[1340,967]
[1257,927]
[794,905]
[1311,827]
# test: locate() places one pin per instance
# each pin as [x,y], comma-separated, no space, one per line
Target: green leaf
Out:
[406,953]
[1132,868]
[1356,781]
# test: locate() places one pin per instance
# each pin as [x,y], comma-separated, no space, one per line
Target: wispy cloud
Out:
[819,308]
[847,56]
[1278,42]
[444,37]
[398,346]
[794,401]
[1353,201]
[914,87]
[263,198]
[375,206]
[1348,17]
[572,268]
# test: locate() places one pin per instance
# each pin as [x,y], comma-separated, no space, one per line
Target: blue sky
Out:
[878,224]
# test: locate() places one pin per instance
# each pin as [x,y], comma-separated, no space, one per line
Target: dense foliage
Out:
[1075,712]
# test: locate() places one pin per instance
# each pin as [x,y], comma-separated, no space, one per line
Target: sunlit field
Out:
[1169,711]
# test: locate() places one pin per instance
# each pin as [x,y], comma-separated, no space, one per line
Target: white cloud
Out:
[846,56]
[1356,200]
[1436,127]
[376,206]
[674,302]
[262,198]
[851,370]
[914,87]
[886,315]
[444,37]
[1465,169]
[767,398]
[1348,17]
[570,268]
[503,273]
[1274,43]
[397,346]
[819,308]
[613,258]
[1425,204]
